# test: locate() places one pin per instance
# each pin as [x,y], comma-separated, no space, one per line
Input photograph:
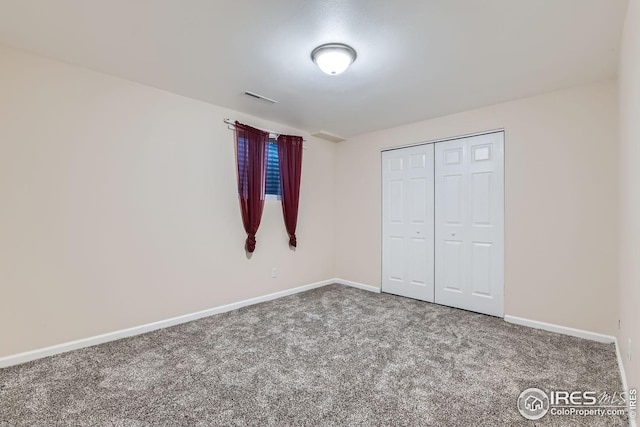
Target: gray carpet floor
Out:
[331,356]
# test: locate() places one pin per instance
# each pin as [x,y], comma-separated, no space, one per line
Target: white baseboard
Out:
[594,336]
[16,359]
[623,376]
[357,285]
[607,339]
[19,358]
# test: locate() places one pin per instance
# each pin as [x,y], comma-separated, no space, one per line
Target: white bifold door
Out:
[407,218]
[469,218]
[460,262]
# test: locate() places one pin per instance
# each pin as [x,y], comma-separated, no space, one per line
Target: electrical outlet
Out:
[629,350]
[274,272]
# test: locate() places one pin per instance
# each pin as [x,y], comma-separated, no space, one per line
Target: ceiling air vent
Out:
[258,96]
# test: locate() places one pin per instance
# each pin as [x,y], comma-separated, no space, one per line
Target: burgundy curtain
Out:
[290,159]
[251,146]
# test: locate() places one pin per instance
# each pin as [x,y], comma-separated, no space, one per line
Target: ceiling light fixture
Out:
[333,58]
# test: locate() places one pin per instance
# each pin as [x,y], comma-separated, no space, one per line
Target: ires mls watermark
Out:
[534,403]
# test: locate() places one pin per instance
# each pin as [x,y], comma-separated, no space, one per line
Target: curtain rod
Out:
[232,125]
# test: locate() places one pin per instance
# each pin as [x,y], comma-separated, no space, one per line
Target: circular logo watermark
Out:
[533,403]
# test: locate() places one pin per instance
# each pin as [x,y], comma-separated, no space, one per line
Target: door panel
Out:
[419,201]
[469,223]
[396,201]
[419,261]
[481,187]
[481,271]
[451,266]
[407,222]
[396,261]
[453,199]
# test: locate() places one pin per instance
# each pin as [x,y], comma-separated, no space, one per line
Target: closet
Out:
[443,222]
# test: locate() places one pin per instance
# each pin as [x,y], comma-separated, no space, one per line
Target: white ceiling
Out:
[416,59]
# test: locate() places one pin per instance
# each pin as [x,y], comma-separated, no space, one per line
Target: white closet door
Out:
[469,223]
[407,222]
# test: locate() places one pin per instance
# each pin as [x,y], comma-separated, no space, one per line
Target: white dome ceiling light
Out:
[333,58]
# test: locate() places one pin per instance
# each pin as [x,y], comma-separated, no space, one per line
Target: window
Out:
[272,189]
[272,186]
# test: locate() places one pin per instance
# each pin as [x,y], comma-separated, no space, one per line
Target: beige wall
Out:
[560,194]
[119,207]
[630,194]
